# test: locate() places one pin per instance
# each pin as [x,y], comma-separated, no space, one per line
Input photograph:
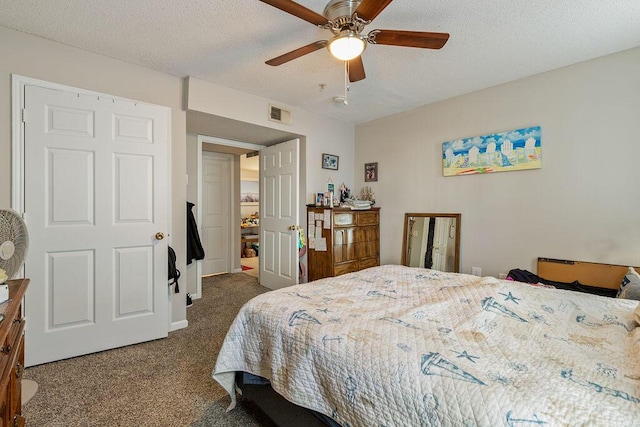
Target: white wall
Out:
[582,205]
[318,134]
[38,58]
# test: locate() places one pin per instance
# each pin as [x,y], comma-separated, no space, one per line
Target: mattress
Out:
[395,345]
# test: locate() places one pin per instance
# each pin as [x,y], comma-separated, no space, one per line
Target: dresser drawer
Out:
[368,217]
[367,250]
[17,326]
[347,267]
[368,234]
[344,253]
[15,383]
[342,219]
[369,262]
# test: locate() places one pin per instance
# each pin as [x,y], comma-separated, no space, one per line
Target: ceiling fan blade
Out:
[298,10]
[369,9]
[297,53]
[408,38]
[356,69]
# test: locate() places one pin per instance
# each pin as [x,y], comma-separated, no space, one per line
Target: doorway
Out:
[250,213]
[211,197]
[226,135]
[281,239]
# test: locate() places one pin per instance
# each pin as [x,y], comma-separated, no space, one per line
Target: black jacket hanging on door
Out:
[194,245]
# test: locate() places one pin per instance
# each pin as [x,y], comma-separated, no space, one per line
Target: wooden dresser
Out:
[352,241]
[12,355]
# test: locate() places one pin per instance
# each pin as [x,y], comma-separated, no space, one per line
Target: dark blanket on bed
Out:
[528,277]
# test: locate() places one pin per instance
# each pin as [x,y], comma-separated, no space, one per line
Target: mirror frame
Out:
[458,218]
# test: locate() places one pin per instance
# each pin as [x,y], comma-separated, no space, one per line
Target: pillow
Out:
[630,286]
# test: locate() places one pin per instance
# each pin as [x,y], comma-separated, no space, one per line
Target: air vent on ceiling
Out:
[280,115]
[253,154]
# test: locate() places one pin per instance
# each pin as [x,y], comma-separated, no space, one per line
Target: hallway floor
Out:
[254,263]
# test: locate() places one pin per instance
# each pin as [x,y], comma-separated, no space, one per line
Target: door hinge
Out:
[24,115]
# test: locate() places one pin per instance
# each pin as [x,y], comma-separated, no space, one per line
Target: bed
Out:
[395,345]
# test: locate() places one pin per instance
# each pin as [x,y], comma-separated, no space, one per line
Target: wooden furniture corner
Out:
[12,355]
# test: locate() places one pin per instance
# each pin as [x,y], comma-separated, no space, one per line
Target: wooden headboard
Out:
[587,273]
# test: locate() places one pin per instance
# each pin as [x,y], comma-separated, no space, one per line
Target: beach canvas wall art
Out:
[514,150]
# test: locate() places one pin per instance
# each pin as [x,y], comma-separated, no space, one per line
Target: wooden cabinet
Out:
[12,355]
[352,242]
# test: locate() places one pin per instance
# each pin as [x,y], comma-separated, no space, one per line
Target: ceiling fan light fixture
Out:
[347,45]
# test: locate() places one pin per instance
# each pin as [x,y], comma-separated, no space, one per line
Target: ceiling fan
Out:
[346,19]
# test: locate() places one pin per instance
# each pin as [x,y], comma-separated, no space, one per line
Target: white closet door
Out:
[96,183]
[216,216]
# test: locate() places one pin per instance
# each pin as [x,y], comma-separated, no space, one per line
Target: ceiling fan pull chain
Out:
[346,82]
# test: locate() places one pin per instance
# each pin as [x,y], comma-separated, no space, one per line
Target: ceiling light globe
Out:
[346,46]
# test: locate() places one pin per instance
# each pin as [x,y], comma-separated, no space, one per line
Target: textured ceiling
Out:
[228,41]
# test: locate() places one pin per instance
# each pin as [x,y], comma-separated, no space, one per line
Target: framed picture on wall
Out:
[370,172]
[514,150]
[249,192]
[330,161]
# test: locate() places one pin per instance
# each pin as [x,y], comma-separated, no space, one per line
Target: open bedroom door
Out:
[279,212]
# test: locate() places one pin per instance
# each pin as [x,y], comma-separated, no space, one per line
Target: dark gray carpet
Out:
[159,383]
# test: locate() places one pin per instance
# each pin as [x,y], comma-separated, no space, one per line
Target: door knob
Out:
[294,227]
[159,235]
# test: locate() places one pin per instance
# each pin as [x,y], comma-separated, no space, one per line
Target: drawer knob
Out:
[6,349]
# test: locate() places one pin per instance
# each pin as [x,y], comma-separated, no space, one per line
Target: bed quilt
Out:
[400,346]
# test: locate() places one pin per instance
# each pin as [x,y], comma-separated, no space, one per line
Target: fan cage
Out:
[13,235]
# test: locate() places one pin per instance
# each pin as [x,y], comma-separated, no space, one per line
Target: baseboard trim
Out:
[179,325]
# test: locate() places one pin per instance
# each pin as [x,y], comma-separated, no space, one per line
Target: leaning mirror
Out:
[432,240]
